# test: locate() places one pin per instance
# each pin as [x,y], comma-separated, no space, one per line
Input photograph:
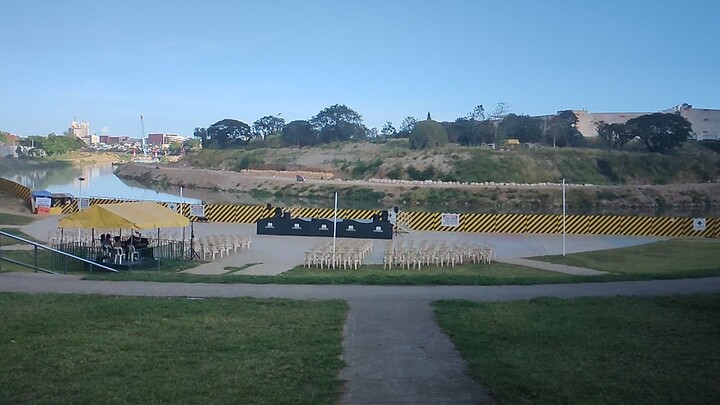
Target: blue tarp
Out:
[41,193]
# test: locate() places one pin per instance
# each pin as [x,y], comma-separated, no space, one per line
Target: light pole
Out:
[81,179]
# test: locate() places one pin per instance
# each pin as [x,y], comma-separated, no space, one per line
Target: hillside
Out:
[455,178]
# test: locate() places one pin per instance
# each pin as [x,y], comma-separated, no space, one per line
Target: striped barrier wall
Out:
[18,190]
[432,221]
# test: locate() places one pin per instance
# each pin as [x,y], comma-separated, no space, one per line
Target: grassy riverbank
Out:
[591,350]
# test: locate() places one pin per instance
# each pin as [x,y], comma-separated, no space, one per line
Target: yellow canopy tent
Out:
[130,215]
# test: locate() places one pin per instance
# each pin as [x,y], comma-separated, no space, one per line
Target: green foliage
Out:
[561,130]
[429,173]
[660,132]
[469,132]
[614,136]
[299,133]
[339,123]
[364,169]
[268,125]
[55,145]
[228,133]
[521,127]
[428,134]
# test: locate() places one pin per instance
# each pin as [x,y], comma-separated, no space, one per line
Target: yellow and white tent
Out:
[130,215]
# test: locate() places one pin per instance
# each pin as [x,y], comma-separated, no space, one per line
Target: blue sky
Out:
[186,64]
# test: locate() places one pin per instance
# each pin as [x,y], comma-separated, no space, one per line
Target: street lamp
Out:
[81,179]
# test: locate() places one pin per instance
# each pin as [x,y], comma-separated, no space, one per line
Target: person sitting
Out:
[116,242]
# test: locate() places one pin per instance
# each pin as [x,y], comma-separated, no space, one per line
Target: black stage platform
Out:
[377,228]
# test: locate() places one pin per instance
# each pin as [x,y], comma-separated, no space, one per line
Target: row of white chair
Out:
[348,253]
[408,255]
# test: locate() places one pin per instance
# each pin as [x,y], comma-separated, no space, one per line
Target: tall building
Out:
[162,139]
[705,122]
[80,129]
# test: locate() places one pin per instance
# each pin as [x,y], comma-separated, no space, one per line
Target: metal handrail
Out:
[41,246]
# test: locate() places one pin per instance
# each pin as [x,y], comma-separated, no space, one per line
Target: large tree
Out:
[388,130]
[470,132]
[406,127]
[561,130]
[520,127]
[201,134]
[229,133]
[615,136]
[339,123]
[268,125]
[660,132]
[300,133]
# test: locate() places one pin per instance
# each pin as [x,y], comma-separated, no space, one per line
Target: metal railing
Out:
[57,253]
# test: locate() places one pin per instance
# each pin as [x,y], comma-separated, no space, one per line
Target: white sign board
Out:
[84,203]
[43,202]
[197,210]
[699,224]
[450,220]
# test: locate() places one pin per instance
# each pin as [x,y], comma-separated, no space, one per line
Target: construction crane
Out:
[142,128]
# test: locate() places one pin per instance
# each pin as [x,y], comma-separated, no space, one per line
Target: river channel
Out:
[99,180]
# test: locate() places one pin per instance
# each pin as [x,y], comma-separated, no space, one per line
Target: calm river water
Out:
[100,181]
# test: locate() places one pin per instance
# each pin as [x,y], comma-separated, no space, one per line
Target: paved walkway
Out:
[558,268]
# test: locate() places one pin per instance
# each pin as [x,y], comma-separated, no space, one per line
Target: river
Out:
[99,180]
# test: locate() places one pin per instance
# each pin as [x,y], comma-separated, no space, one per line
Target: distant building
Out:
[80,129]
[163,140]
[587,122]
[113,140]
[705,122]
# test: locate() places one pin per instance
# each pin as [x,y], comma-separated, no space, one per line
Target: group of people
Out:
[109,242]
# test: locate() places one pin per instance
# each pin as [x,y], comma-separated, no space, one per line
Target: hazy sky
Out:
[186,64]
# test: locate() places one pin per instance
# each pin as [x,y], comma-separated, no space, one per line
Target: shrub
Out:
[428,134]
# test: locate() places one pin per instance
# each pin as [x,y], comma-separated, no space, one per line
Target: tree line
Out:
[338,123]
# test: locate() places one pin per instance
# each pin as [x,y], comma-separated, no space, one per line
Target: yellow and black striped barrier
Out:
[18,190]
[432,221]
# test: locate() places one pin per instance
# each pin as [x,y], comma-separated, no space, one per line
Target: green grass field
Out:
[494,274]
[591,350]
[6,241]
[93,349]
[674,258]
[12,219]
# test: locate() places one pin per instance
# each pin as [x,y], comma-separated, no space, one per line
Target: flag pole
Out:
[335,227]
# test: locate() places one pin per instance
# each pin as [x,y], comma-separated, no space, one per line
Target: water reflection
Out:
[99,181]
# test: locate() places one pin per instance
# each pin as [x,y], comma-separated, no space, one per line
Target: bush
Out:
[428,134]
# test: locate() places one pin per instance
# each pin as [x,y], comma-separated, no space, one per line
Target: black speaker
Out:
[287,215]
[278,212]
[375,217]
